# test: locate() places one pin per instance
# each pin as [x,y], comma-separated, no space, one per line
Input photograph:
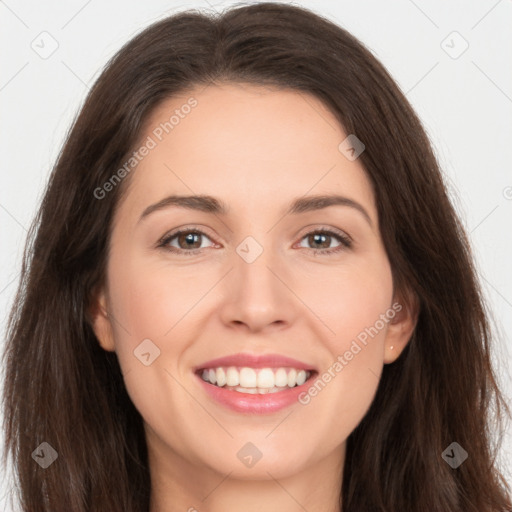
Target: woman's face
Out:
[253,280]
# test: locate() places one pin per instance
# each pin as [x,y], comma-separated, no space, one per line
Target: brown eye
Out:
[188,241]
[323,239]
[320,238]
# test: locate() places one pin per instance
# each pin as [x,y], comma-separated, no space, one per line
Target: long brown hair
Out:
[63,389]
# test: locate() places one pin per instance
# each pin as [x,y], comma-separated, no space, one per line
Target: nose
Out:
[259,295]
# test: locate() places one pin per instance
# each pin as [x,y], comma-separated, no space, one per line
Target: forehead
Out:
[246,144]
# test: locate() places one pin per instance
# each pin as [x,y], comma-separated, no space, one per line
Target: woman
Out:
[179,340]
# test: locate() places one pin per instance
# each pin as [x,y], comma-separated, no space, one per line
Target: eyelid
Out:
[185,229]
[314,228]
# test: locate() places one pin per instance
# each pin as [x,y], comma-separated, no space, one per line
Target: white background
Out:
[465,104]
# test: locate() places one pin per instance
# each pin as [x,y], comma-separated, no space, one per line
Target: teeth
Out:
[301,378]
[256,391]
[292,378]
[221,377]
[254,381]
[248,378]
[281,378]
[266,378]
[233,377]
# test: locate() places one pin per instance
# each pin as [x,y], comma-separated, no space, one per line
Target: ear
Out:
[101,322]
[401,326]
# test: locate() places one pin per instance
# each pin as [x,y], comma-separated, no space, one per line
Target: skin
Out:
[257,149]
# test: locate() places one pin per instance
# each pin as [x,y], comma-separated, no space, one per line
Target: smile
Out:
[255,380]
[255,391]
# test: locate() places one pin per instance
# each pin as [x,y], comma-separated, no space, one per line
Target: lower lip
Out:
[255,404]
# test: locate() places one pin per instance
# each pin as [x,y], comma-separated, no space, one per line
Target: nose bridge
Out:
[255,257]
[259,296]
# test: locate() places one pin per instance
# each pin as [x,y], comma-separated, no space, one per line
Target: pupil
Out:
[318,236]
[190,238]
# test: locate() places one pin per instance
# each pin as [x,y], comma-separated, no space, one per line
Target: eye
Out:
[186,239]
[324,237]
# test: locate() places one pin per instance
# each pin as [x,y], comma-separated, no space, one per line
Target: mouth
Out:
[256,381]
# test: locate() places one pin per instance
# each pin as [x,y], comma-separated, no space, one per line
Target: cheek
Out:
[350,299]
[152,300]
[150,305]
[146,309]
[355,303]
[341,395]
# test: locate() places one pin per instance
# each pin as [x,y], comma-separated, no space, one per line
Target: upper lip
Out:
[255,361]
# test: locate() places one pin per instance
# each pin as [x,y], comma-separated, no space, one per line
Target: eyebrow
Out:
[209,204]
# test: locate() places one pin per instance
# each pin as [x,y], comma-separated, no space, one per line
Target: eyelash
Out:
[345,241]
